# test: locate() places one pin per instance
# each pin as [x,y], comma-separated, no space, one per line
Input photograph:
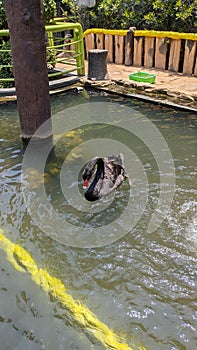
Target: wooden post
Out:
[160,53]
[89,43]
[149,51]
[109,47]
[138,51]
[195,68]
[28,44]
[174,58]
[129,47]
[189,56]
[97,64]
[100,41]
[119,49]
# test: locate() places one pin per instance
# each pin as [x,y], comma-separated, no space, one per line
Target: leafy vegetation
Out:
[176,15]
[179,16]
[3,21]
[6,70]
[49,12]
[171,15]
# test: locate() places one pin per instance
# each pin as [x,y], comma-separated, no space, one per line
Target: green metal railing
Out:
[65,52]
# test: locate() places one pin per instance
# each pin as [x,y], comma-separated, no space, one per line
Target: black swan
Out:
[101,176]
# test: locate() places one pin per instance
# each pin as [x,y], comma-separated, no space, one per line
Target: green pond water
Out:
[141,283]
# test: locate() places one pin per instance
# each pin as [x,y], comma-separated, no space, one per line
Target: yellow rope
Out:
[22,261]
[170,35]
[150,33]
[104,31]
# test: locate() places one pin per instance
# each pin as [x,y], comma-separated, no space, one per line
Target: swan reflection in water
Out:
[101,176]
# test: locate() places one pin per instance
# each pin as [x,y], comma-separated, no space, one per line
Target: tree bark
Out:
[28,44]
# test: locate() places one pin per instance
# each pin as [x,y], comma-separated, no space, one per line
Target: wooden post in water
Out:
[28,44]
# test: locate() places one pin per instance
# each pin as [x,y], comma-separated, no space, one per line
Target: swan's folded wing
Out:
[117,159]
[114,176]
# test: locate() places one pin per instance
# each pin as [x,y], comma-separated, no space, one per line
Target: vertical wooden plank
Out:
[160,53]
[109,47]
[89,43]
[149,51]
[66,49]
[138,51]
[174,58]
[195,69]
[119,49]
[189,56]
[72,48]
[100,41]
[129,48]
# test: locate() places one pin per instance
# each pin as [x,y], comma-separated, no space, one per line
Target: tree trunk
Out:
[28,44]
[97,64]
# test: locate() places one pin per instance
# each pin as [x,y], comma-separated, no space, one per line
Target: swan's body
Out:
[102,176]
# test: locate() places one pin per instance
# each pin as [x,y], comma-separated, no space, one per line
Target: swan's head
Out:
[87,174]
[85,184]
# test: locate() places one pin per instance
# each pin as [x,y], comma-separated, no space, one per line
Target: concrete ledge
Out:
[170,90]
[10,93]
[138,91]
[175,87]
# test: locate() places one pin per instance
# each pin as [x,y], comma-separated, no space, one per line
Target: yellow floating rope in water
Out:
[22,261]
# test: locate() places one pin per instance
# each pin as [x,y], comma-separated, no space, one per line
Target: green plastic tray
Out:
[143,77]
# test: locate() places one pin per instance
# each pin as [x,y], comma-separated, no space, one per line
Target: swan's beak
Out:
[85,184]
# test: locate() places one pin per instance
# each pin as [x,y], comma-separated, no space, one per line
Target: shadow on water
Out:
[141,285]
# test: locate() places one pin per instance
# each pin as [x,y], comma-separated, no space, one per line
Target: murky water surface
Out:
[142,286]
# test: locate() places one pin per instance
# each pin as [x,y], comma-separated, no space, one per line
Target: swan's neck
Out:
[100,170]
[92,190]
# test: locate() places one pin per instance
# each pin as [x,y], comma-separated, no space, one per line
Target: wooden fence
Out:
[176,52]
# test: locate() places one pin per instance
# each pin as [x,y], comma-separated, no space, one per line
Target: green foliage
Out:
[51,58]
[171,15]
[49,10]
[3,21]
[70,9]
[176,15]
[74,13]
[6,60]
[110,14]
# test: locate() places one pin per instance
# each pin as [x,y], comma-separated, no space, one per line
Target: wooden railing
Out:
[176,52]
